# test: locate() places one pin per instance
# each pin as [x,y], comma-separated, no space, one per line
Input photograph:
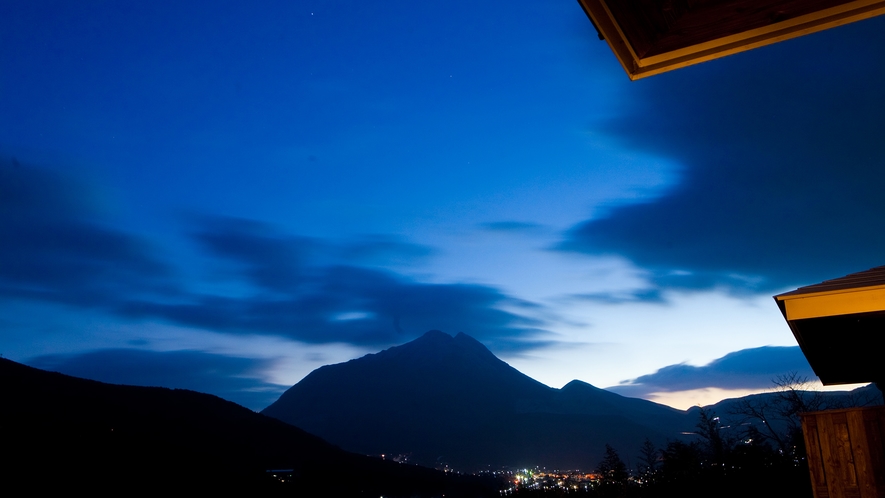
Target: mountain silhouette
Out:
[62,434]
[448,400]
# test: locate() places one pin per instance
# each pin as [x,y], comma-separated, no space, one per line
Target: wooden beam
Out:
[648,42]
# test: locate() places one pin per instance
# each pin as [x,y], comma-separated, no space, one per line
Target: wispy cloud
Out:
[56,249]
[381,248]
[640,295]
[512,227]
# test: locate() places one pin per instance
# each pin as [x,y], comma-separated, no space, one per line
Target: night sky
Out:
[223,195]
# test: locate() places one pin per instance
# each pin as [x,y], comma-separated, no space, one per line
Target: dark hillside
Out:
[62,433]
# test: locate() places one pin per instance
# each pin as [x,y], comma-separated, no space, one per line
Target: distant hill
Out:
[61,434]
[732,411]
[443,399]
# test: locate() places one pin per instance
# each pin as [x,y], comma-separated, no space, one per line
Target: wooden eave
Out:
[832,303]
[653,36]
[838,324]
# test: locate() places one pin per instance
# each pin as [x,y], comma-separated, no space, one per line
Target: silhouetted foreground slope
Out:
[449,399]
[62,433]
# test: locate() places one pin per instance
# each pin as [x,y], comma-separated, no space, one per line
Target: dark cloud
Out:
[275,260]
[745,369]
[338,303]
[54,249]
[285,285]
[232,378]
[265,257]
[782,166]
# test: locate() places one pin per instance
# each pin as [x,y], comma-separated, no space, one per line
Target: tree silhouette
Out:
[613,472]
[648,460]
[776,419]
[710,431]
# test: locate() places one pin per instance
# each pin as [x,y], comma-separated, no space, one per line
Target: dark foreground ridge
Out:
[62,434]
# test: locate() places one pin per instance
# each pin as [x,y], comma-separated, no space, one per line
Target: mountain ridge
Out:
[443,398]
[449,400]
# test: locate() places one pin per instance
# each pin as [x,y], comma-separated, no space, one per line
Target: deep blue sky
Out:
[223,196]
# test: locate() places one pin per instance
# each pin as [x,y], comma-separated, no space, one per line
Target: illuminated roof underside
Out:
[654,36]
[836,324]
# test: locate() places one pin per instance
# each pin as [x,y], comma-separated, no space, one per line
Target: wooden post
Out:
[846,452]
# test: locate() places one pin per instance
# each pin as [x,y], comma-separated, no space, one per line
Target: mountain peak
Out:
[577,385]
[435,346]
[434,336]
[463,338]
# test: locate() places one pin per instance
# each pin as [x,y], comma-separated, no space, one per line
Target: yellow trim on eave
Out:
[834,303]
